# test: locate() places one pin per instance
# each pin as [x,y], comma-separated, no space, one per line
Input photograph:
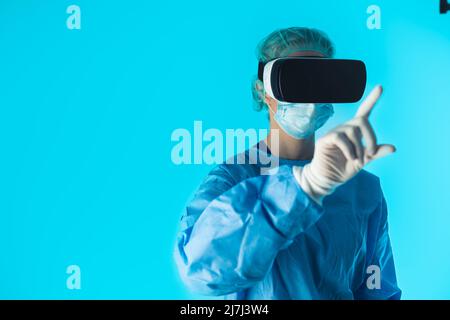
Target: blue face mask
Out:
[301,120]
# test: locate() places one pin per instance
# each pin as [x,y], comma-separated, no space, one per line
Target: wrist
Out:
[314,185]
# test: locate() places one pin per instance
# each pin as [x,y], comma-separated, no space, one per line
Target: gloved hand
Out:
[340,154]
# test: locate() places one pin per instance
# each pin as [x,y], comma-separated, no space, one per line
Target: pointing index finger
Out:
[367,105]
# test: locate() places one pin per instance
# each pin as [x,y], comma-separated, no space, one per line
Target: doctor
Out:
[310,230]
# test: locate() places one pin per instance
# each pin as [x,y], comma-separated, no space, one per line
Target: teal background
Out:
[86,118]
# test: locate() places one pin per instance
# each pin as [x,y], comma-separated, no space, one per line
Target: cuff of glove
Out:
[313,185]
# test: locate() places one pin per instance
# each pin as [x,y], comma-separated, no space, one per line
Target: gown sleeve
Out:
[380,261]
[231,232]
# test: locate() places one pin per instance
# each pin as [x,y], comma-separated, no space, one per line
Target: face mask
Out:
[301,120]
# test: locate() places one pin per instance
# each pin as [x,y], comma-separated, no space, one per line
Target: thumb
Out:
[382,151]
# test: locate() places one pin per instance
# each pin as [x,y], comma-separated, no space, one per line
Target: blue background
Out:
[86,118]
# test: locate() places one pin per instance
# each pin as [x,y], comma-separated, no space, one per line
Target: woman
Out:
[314,229]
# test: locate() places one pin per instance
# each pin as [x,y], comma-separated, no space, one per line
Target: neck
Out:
[289,147]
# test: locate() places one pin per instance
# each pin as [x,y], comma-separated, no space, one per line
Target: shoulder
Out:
[367,181]
[363,191]
[223,177]
[237,168]
[368,190]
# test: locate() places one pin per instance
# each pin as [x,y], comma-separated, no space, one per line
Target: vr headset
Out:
[313,80]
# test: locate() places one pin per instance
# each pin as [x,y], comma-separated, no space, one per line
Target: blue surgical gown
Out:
[246,235]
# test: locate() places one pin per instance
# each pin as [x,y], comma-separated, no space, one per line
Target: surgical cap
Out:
[284,42]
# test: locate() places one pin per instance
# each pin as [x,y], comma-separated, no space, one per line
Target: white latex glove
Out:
[340,154]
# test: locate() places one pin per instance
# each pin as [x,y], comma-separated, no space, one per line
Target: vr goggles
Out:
[313,80]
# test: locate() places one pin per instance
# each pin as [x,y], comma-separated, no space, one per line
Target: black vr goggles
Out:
[313,80]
